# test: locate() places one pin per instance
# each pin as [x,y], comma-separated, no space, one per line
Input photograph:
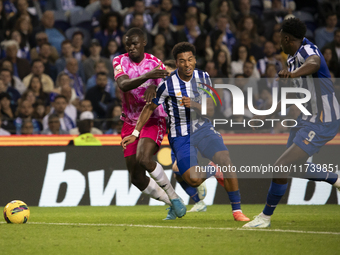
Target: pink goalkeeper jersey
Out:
[132,101]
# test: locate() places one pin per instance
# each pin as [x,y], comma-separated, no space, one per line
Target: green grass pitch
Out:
[141,230]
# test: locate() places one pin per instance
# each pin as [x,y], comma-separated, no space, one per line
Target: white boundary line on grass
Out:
[186,227]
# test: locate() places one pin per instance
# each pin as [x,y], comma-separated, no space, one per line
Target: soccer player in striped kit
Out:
[307,69]
[189,131]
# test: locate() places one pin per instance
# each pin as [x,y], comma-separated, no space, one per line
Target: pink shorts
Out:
[154,129]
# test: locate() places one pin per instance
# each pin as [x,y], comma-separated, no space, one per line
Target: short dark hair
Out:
[5,94]
[84,126]
[78,33]
[170,63]
[35,61]
[53,116]
[60,96]
[183,47]
[67,41]
[329,14]
[336,31]
[136,31]
[104,20]
[294,27]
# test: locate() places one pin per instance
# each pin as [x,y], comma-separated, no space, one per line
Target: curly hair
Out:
[183,47]
[294,27]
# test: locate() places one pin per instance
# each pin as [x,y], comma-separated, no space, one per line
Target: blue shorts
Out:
[310,137]
[205,140]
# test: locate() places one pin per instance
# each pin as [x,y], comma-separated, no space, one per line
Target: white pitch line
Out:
[186,227]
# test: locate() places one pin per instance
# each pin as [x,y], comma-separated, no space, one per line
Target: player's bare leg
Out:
[142,182]
[146,148]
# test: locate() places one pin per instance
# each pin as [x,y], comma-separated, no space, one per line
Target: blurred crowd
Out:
[56,55]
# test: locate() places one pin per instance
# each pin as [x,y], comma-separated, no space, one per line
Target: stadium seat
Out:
[87,36]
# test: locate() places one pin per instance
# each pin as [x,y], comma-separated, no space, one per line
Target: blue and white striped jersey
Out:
[182,120]
[323,104]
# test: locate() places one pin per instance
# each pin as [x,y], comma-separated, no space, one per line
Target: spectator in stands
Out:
[38,69]
[55,38]
[86,137]
[27,128]
[40,110]
[85,105]
[325,35]
[63,80]
[332,64]
[269,81]
[29,96]
[3,132]
[240,56]
[9,79]
[41,38]
[254,50]
[175,17]
[228,37]
[158,52]
[98,96]
[270,58]
[137,21]
[87,115]
[139,8]
[77,83]
[247,24]
[191,29]
[54,126]
[79,51]
[25,111]
[21,66]
[110,29]
[192,9]
[111,50]
[115,126]
[249,70]
[22,11]
[335,46]
[163,26]
[211,69]
[100,67]
[45,56]
[5,76]
[223,7]
[37,87]
[60,104]
[6,112]
[89,64]
[70,109]
[24,26]
[24,51]
[221,63]
[105,8]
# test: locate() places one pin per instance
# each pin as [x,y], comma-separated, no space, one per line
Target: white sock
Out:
[154,191]
[163,181]
[265,216]
[237,211]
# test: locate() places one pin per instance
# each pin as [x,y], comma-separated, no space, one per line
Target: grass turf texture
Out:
[214,232]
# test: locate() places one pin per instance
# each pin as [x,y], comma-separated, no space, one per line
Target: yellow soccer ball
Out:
[16,212]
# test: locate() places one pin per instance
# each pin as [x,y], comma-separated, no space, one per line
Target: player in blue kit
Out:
[189,131]
[307,69]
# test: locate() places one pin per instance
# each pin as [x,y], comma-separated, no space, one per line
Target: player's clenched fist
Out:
[127,140]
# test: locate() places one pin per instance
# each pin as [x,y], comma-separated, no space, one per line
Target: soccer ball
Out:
[16,212]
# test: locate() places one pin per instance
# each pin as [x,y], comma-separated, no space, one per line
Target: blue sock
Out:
[235,199]
[211,171]
[275,193]
[192,192]
[314,173]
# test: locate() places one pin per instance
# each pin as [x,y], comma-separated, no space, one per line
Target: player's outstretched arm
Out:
[143,118]
[127,84]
